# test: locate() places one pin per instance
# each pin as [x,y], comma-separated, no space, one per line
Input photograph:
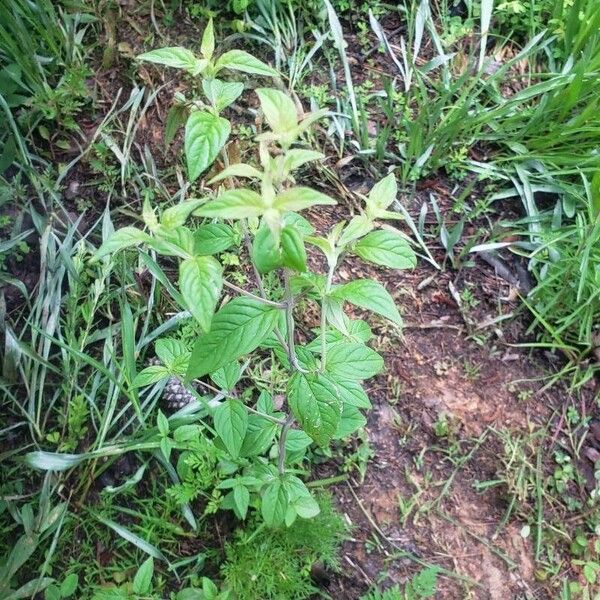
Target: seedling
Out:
[323,387]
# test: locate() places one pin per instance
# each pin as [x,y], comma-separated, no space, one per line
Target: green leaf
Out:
[233,204]
[279,110]
[162,423]
[231,423]
[221,93]
[238,60]
[352,393]
[205,135]
[306,507]
[200,283]
[53,461]
[52,592]
[382,194]
[166,446]
[357,331]
[172,353]
[300,497]
[590,572]
[207,46]
[134,539]
[120,239]
[21,551]
[265,254]
[177,57]
[293,251]
[237,329]
[190,594]
[259,436]
[299,198]
[352,420]
[186,433]
[69,585]
[176,117]
[142,582]
[173,242]
[387,249]
[150,375]
[353,361]
[213,238]
[227,376]
[274,503]
[176,216]
[241,497]
[333,311]
[357,228]
[299,222]
[299,156]
[315,402]
[371,295]
[237,170]
[29,589]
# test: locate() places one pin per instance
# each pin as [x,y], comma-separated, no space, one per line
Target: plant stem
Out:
[259,283]
[225,394]
[332,264]
[282,437]
[289,320]
[242,291]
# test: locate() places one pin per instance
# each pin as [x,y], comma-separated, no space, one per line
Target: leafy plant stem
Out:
[282,437]
[289,318]
[332,265]
[224,394]
[242,291]
[259,283]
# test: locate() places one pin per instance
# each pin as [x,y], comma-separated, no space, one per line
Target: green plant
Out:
[422,585]
[206,132]
[42,75]
[37,528]
[272,564]
[323,386]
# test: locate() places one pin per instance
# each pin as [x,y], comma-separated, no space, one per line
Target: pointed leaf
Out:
[237,170]
[200,283]
[353,361]
[351,392]
[279,110]
[150,375]
[238,60]
[315,402]
[213,238]
[293,251]
[352,420]
[207,46]
[205,135]
[221,93]
[383,193]
[177,57]
[231,423]
[299,198]
[237,329]
[371,295]
[233,204]
[387,249]
[298,156]
[120,239]
[274,503]
[266,255]
[142,582]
